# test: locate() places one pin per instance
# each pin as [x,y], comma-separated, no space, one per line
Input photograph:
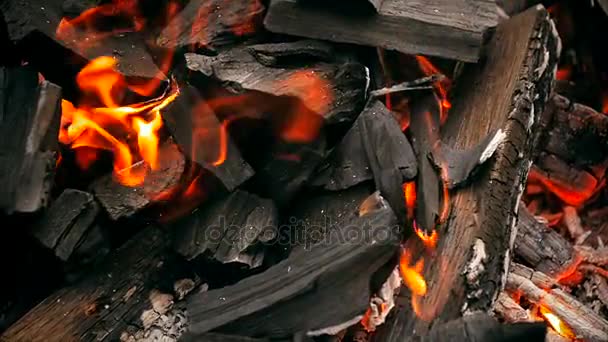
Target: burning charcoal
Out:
[374,147]
[29,124]
[459,166]
[475,237]
[204,140]
[122,201]
[34,24]
[127,285]
[400,25]
[233,229]
[212,23]
[327,285]
[483,327]
[333,90]
[67,223]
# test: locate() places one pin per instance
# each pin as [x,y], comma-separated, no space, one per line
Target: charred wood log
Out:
[327,285]
[232,230]
[541,247]
[33,25]
[29,124]
[433,29]
[212,24]
[203,139]
[132,287]
[68,227]
[121,201]
[477,236]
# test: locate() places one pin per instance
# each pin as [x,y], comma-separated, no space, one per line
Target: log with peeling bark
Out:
[325,286]
[475,240]
[436,28]
[30,114]
[128,291]
[121,201]
[540,246]
[33,24]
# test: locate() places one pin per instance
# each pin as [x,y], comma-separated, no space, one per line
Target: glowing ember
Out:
[409,191]
[564,73]
[556,323]
[564,190]
[112,127]
[442,87]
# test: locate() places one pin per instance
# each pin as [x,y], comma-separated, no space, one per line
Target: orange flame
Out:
[110,127]
[412,275]
[429,241]
[442,87]
[409,192]
[556,323]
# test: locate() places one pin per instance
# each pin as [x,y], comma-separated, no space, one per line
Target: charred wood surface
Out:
[68,226]
[121,201]
[436,28]
[323,286]
[212,23]
[30,113]
[540,246]
[138,278]
[234,229]
[203,139]
[500,93]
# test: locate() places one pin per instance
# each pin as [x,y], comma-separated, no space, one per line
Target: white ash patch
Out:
[476,266]
[334,330]
[497,139]
[182,287]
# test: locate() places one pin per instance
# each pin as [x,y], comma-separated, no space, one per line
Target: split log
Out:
[203,139]
[30,113]
[133,285]
[333,90]
[475,240]
[325,286]
[68,227]
[234,229]
[541,247]
[582,321]
[212,24]
[33,24]
[373,148]
[435,29]
[121,201]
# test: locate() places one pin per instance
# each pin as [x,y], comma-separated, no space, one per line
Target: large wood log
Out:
[436,28]
[29,124]
[475,240]
[139,277]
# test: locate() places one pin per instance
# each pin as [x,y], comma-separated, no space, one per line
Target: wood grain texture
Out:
[508,91]
[449,29]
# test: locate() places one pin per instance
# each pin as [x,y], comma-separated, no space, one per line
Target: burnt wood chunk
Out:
[121,201]
[283,54]
[30,113]
[214,23]
[540,246]
[33,25]
[435,28]
[133,285]
[335,91]
[234,229]
[326,285]
[483,327]
[203,139]
[67,222]
[375,147]
[476,239]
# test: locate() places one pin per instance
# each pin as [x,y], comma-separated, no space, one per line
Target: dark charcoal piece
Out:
[483,327]
[343,85]
[374,148]
[33,24]
[435,28]
[29,124]
[283,54]
[214,23]
[317,288]
[132,287]
[233,229]
[122,201]
[204,140]
[67,222]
